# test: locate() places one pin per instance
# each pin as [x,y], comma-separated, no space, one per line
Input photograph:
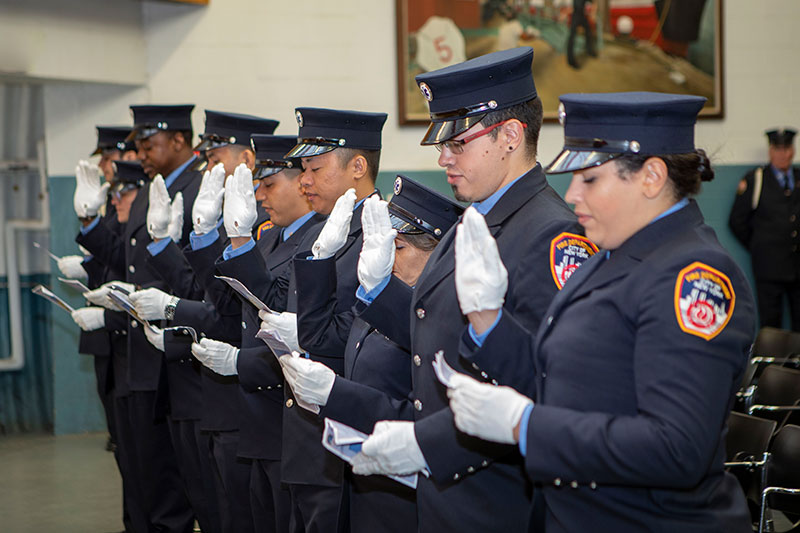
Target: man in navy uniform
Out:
[764,218]
[485,120]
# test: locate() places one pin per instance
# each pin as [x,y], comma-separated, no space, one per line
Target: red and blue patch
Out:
[704,300]
[568,251]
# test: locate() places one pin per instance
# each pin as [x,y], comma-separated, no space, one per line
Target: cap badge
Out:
[426,91]
[492,104]
[562,114]
[635,147]
[398,185]
[232,140]
[162,126]
[299,116]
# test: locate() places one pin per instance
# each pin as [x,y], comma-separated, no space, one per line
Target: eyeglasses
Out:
[456,146]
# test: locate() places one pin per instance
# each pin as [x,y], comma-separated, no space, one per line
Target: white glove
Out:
[158,211]
[155,336]
[310,381]
[100,297]
[239,209]
[175,228]
[377,254]
[208,203]
[391,449]
[71,267]
[486,411]
[218,356]
[90,195]
[150,303]
[481,277]
[282,326]
[334,232]
[89,318]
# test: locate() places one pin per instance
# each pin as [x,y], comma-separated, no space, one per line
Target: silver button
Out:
[131,269]
[574,484]
[420,313]
[557,482]
[358,345]
[418,405]
[289,402]
[259,388]
[417,360]
[470,469]
[279,385]
[593,485]
[544,375]
[269,387]
[484,375]
[133,241]
[549,320]
[456,477]
[484,463]
[134,324]
[494,382]
[244,324]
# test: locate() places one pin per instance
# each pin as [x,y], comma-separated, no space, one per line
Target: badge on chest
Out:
[704,300]
[567,252]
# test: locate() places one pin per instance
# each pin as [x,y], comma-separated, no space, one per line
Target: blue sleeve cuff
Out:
[230,253]
[523,430]
[368,297]
[156,248]
[479,339]
[90,227]
[199,242]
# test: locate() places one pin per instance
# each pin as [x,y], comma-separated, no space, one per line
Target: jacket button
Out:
[484,463]
[593,485]
[475,366]
[418,405]
[574,484]
[484,375]
[494,382]
[470,469]
[417,360]
[134,324]
[133,241]
[420,313]
[289,402]
[278,386]
[456,477]
[131,269]
[244,324]
[557,482]
[259,388]
[269,387]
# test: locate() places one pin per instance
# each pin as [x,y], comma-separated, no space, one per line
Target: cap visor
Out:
[308,150]
[204,145]
[265,172]
[439,132]
[572,160]
[141,132]
[403,226]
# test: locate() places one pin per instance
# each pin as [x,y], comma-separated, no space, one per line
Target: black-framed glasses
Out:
[456,146]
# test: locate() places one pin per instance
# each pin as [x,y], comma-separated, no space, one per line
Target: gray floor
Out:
[64,484]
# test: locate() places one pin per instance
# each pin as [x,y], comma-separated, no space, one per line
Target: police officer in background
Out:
[485,120]
[764,218]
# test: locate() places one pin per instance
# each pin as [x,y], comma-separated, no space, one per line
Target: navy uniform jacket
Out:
[468,491]
[260,375]
[127,253]
[634,375]
[771,232]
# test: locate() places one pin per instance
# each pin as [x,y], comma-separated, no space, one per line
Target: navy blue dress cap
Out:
[127,175]
[150,119]
[270,154]
[113,138]
[781,136]
[322,130]
[459,96]
[223,129]
[601,126]
[416,209]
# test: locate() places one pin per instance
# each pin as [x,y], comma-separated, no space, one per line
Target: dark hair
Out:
[686,171]
[529,113]
[373,158]
[424,241]
[187,136]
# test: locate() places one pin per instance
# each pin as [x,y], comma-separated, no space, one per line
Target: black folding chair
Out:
[777,392]
[783,480]
[746,447]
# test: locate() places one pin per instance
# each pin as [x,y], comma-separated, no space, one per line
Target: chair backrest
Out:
[771,342]
[748,437]
[778,386]
[792,344]
[784,468]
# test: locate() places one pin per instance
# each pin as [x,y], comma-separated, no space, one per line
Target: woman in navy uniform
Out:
[377,378]
[634,370]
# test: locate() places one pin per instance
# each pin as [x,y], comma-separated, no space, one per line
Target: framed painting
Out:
[671,46]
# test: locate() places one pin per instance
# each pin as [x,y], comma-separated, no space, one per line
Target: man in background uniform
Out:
[764,218]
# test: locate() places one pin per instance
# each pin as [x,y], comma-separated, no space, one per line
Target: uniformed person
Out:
[260,377]
[377,378]
[633,374]
[764,218]
[485,120]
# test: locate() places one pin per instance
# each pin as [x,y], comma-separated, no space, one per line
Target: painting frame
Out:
[412,109]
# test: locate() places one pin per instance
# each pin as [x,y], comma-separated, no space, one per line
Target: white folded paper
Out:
[47,294]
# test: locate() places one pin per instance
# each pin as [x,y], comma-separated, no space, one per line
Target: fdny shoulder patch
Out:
[264,227]
[704,300]
[567,252]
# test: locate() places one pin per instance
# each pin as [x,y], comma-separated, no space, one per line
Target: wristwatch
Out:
[169,309]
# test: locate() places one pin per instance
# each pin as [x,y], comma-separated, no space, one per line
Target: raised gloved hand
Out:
[150,304]
[282,326]
[391,449]
[89,318]
[486,411]
[481,277]
[310,381]
[377,254]
[334,232]
[175,228]
[158,211]
[218,356]
[207,205]
[239,209]
[71,267]
[155,336]
[100,297]
[89,193]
